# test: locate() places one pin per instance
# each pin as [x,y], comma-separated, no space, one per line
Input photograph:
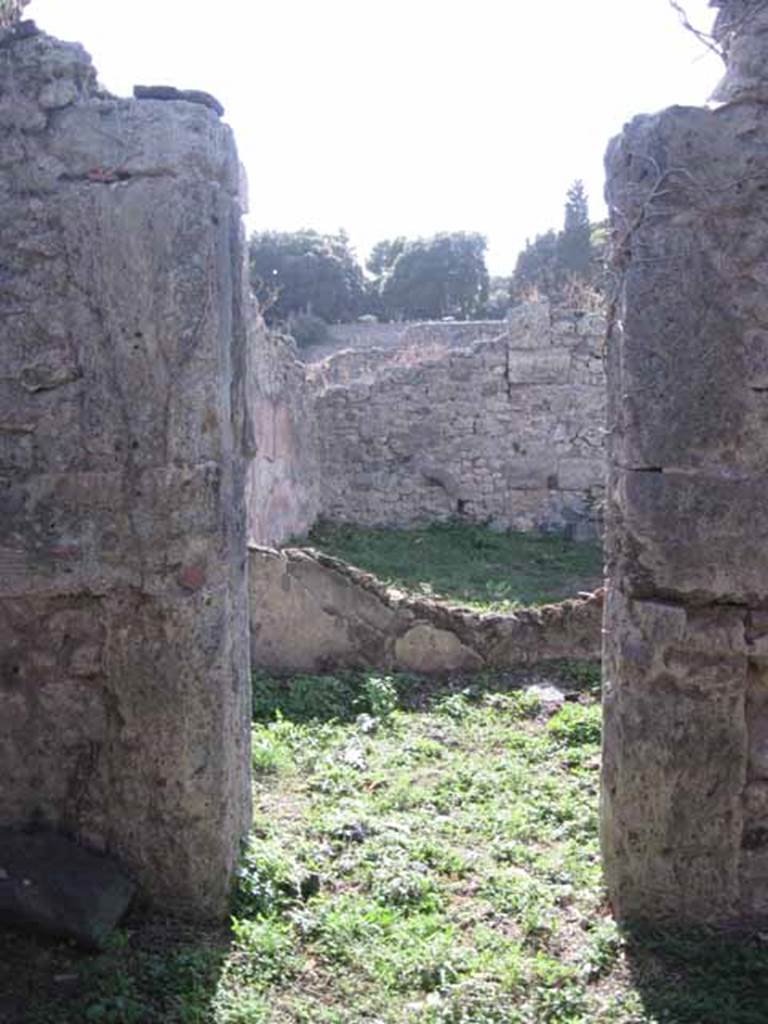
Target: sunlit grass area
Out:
[466,564]
[419,855]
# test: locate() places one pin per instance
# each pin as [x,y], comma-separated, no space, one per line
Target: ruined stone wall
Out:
[283,475]
[424,333]
[312,613]
[123,603]
[685,777]
[509,429]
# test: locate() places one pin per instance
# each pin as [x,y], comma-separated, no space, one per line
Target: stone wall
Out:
[508,429]
[685,777]
[312,613]
[123,616]
[423,333]
[283,474]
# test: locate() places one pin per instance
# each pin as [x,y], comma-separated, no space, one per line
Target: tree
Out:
[429,278]
[10,11]
[383,255]
[305,272]
[537,268]
[497,303]
[575,253]
[557,263]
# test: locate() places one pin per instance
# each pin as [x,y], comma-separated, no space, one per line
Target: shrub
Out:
[308,329]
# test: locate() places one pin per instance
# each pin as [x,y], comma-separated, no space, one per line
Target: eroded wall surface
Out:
[283,487]
[685,778]
[123,605]
[501,423]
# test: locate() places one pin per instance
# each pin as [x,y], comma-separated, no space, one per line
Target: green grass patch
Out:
[425,861]
[468,565]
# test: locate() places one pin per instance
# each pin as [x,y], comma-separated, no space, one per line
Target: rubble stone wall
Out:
[403,335]
[123,600]
[508,429]
[685,767]
[313,613]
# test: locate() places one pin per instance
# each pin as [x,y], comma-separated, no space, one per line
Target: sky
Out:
[407,117]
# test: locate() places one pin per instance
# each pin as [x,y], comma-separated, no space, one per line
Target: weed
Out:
[441,869]
[576,724]
[381,695]
[264,951]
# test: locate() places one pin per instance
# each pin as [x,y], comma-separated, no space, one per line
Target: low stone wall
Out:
[508,429]
[313,613]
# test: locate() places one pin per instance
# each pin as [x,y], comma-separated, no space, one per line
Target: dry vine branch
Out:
[703,37]
[709,40]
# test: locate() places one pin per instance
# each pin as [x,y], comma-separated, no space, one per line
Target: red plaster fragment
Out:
[192,577]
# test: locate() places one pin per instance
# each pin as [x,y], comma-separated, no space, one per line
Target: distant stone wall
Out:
[312,613]
[283,474]
[507,429]
[362,336]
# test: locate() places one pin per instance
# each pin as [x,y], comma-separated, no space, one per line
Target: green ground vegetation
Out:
[467,564]
[420,855]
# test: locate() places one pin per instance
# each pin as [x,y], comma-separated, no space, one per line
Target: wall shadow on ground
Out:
[699,977]
[154,971]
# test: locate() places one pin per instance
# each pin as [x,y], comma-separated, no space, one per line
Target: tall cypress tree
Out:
[574,241]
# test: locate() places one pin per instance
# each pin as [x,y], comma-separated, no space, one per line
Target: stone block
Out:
[674,760]
[581,474]
[51,885]
[425,648]
[696,537]
[530,474]
[541,367]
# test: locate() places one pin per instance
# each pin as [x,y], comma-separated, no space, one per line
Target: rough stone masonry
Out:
[685,778]
[499,421]
[123,606]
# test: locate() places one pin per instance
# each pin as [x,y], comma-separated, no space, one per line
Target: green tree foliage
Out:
[497,304]
[383,255]
[575,252]
[557,263]
[429,278]
[537,267]
[10,11]
[295,272]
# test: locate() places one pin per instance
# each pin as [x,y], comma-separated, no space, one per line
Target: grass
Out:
[419,856]
[468,565]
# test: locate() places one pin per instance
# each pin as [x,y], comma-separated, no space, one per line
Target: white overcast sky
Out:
[407,117]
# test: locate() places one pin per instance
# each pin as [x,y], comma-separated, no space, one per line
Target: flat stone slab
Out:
[170,92]
[52,885]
